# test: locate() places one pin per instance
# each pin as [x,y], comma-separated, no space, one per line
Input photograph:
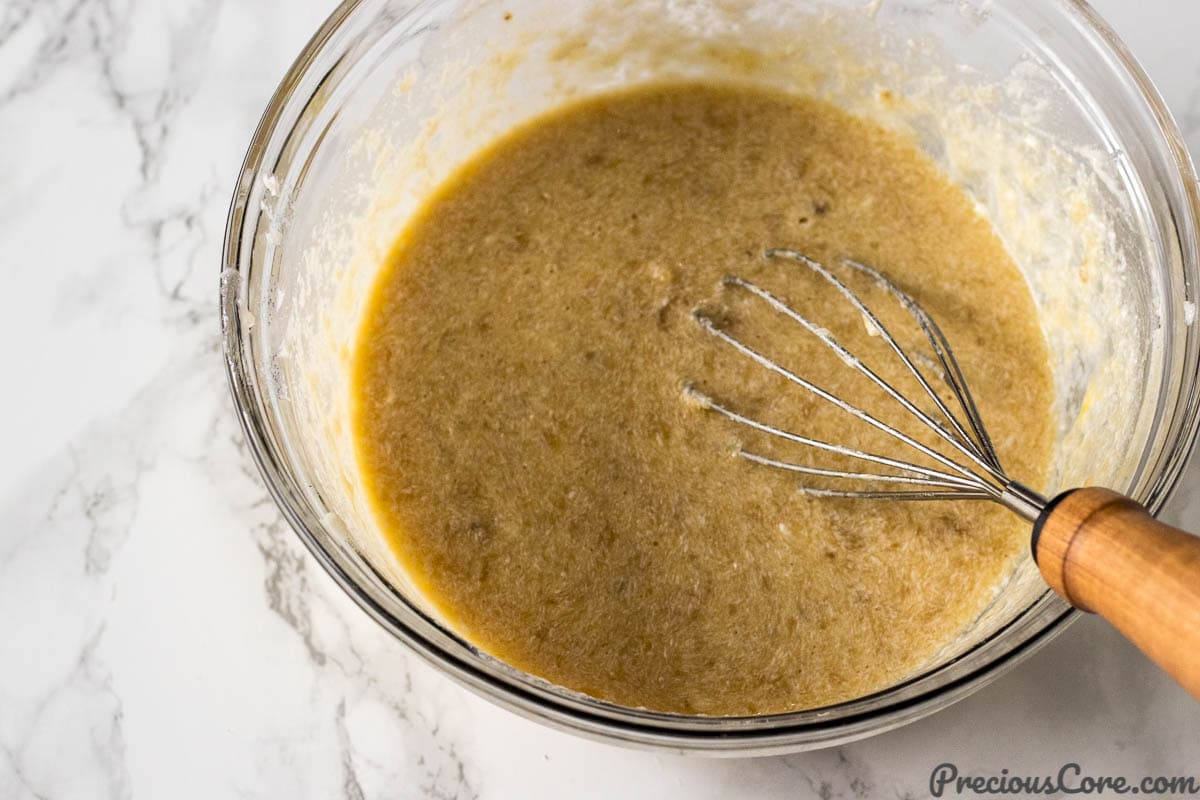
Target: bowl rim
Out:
[725,736]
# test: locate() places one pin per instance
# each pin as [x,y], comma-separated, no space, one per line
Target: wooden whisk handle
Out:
[1104,553]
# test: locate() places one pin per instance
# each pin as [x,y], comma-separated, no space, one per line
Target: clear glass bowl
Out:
[389,96]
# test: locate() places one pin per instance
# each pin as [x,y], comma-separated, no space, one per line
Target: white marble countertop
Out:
[163,634]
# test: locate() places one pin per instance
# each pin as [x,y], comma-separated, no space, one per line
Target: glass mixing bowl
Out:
[1033,106]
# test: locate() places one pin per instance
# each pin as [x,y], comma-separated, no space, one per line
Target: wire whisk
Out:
[1099,549]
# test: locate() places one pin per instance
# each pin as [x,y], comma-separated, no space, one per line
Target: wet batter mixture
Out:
[524,439]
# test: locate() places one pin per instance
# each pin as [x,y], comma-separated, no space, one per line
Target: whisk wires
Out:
[958,425]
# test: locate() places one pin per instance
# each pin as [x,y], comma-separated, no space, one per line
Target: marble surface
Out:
[163,634]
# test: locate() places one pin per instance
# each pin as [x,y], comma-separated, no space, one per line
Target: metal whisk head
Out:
[974,474]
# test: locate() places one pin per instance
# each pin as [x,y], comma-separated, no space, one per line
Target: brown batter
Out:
[523,437]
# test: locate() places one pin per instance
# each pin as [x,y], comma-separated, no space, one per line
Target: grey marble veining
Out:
[162,631]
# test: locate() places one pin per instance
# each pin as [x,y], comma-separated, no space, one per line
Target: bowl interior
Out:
[1029,105]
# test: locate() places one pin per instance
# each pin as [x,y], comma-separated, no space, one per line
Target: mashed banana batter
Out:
[522,432]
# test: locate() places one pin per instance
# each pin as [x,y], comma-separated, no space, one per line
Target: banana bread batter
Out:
[523,435]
